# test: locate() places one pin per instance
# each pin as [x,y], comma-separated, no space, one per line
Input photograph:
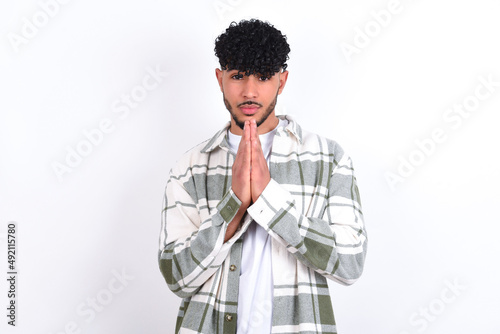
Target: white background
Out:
[434,229]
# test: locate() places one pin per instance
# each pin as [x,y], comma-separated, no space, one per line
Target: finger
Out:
[257,152]
[255,136]
[243,156]
[243,137]
[247,131]
[258,160]
[247,140]
[247,152]
[253,129]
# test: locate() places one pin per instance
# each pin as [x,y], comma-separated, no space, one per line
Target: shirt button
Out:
[232,267]
[229,317]
[230,208]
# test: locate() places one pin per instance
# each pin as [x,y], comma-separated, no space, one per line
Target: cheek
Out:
[271,93]
[230,91]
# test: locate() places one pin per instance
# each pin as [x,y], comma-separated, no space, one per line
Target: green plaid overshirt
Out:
[311,208]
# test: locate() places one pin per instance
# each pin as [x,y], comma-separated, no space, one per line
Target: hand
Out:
[240,182]
[250,174]
[241,169]
[259,172]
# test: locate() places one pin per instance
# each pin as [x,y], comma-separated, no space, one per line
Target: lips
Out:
[249,109]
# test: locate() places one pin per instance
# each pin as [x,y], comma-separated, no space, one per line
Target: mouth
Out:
[249,109]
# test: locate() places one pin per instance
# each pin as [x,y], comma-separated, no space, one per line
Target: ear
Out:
[283,78]
[219,73]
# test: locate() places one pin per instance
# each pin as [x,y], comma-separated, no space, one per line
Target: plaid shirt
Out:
[311,208]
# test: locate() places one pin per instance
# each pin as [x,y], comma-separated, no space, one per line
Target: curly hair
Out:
[252,47]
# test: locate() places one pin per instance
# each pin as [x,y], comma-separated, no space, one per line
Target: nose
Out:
[250,89]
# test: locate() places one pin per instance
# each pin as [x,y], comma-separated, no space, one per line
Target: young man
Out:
[257,218]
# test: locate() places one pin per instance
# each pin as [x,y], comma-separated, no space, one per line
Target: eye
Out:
[238,76]
[264,78]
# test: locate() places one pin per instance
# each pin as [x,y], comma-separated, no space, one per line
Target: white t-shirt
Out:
[255,297]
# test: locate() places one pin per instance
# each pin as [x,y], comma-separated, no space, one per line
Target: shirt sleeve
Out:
[335,243]
[192,249]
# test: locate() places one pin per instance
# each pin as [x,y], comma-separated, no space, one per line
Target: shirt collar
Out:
[219,139]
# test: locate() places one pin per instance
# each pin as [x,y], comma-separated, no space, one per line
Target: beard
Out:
[264,117]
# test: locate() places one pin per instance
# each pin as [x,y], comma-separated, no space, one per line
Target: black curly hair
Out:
[252,47]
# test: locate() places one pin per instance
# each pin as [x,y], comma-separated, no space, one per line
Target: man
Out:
[257,218]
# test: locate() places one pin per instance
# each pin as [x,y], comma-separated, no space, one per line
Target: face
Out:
[251,97]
